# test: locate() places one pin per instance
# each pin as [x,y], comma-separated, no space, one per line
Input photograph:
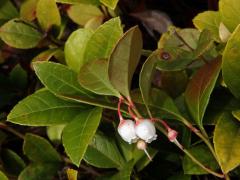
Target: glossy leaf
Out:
[226,142]
[209,20]
[43,109]
[94,2]
[205,43]
[229,13]
[124,60]
[177,59]
[145,79]
[79,133]
[12,162]
[28,10]
[93,76]
[82,13]
[38,171]
[231,64]
[75,48]
[39,150]
[103,152]
[7,10]
[3,176]
[55,133]
[45,55]
[58,78]
[100,44]
[205,157]
[200,88]
[110,3]
[48,14]
[125,173]
[178,38]
[17,34]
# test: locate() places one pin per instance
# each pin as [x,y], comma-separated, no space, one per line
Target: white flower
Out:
[145,130]
[126,130]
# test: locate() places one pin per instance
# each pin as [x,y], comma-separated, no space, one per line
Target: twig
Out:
[13,131]
[180,146]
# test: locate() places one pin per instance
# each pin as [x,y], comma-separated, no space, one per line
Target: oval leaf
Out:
[200,88]
[230,15]
[93,76]
[145,79]
[124,60]
[17,34]
[43,109]
[79,133]
[58,78]
[48,14]
[231,64]
[98,154]
[209,20]
[39,150]
[75,48]
[100,43]
[226,142]
[82,13]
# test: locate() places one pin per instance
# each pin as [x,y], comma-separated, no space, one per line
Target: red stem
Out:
[119,109]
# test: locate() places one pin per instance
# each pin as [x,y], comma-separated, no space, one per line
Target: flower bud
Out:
[172,135]
[145,130]
[126,130]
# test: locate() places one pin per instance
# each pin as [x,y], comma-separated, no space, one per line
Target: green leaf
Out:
[3,176]
[205,43]
[100,44]
[160,100]
[177,59]
[82,13]
[12,162]
[200,88]
[230,15]
[110,3]
[209,20]
[94,77]
[79,133]
[125,173]
[93,2]
[236,114]
[43,109]
[48,14]
[226,142]
[28,10]
[58,78]
[17,34]
[124,60]
[178,38]
[37,171]
[55,133]
[7,10]
[205,157]
[231,64]
[39,150]
[46,55]
[18,77]
[145,79]
[75,47]
[103,152]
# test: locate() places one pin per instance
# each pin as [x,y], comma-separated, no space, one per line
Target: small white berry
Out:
[145,130]
[126,130]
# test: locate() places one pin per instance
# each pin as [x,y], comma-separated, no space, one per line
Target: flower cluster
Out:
[140,130]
